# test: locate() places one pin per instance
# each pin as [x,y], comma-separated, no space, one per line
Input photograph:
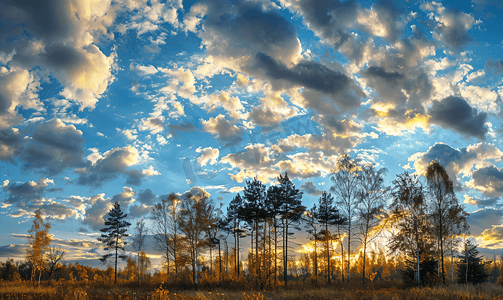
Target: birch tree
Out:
[38,242]
[345,189]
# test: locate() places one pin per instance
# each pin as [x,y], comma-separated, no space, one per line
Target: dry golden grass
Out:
[23,290]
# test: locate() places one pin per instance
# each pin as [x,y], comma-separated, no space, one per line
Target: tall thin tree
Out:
[166,229]
[38,241]
[195,218]
[139,234]
[114,235]
[345,189]
[443,205]
[372,200]
[327,215]
[291,211]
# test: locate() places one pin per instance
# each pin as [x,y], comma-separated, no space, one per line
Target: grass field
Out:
[23,290]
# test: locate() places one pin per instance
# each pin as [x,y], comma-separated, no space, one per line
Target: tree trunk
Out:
[315,257]
[328,253]
[211,257]
[285,250]
[116,250]
[219,260]
[364,258]
[235,252]
[275,251]
[442,259]
[418,263]
[349,250]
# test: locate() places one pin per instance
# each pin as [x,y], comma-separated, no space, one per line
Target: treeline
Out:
[413,230]
[424,222]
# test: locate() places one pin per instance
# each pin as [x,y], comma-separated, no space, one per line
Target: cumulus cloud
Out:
[143,70]
[24,198]
[10,144]
[481,203]
[484,218]
[259,161]
[95,213]
[18,88]
[230,103]
[457,161]
[208,155]
[182,82]
[195,192]
[54,147]
[491,238]
[223,129]
[329,19]
[147,197]
[110,166]
[137,211]
[451,25]
[125,198]
[309,188]
[273,110]
[488,180]
[59,37]
[266,31]
[456,114]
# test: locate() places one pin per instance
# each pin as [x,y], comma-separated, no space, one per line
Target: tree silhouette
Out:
[232,223]
[253,211]
[114,235]
[408,217]
[345,189]
[327,215]
[291,211]
[196,215]
[55,257]
[372,199]
[442,198]
[166,229]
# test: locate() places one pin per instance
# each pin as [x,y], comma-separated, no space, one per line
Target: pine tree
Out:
[327,215]
[291,212]
[114,235]
[253,212]
[474,272]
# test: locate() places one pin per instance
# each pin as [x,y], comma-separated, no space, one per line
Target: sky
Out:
[131,100]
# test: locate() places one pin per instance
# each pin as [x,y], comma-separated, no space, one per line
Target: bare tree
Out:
[139,233]
[345,189]
[166,229]
[372,200]
[55,258]
[38,241]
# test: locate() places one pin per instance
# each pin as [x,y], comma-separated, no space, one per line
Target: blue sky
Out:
[131,100]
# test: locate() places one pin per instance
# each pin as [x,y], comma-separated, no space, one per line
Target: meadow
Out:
[384,291]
